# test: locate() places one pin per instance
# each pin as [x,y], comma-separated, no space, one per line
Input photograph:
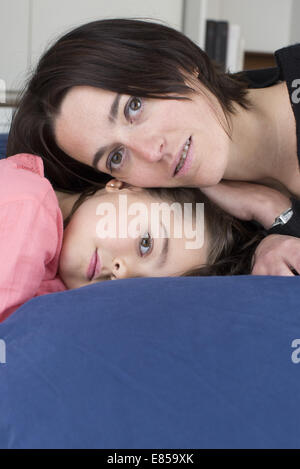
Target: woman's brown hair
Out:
[133,57]
[232,241]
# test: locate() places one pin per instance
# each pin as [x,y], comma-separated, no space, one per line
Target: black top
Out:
[288,70]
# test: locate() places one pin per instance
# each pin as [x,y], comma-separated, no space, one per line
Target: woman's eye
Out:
[114,161]
[146,244]
[134,105]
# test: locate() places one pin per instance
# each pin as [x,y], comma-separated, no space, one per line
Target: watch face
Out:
[285,217]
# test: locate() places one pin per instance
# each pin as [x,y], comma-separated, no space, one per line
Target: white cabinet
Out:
[28,27]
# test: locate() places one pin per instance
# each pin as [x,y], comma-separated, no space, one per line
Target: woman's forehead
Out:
[83,113]
[85,97]
[82,106]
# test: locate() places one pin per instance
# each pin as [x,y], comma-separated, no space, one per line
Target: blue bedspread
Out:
[155,363]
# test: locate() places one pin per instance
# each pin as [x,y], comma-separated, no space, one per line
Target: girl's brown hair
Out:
[133,57]
[232,242]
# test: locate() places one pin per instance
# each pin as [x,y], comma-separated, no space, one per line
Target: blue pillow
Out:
[154,363]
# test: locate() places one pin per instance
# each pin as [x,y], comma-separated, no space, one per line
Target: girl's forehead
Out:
[123,199]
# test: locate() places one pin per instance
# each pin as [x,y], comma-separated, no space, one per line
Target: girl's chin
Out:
[65,278]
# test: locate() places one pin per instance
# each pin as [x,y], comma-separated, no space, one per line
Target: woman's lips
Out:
[187,162]
[94,268]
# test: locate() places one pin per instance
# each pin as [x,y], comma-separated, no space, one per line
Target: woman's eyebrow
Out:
[98,156]
[114,108]
[112,118]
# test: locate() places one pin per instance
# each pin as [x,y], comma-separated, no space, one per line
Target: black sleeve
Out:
[292,227]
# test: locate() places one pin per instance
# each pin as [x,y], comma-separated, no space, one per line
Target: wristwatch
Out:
[288,223]
[284,217]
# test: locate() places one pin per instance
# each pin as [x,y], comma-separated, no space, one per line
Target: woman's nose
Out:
[148,149]
[119,268]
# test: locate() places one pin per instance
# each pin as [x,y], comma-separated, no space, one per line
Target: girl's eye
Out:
[146,244]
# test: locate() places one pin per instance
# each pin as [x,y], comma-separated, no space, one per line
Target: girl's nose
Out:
[119,268]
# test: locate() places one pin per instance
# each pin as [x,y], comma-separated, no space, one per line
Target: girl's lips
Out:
[94,268]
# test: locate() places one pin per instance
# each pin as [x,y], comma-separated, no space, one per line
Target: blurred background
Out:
[238,34]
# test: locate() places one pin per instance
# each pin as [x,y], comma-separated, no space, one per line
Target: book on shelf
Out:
[221,43]
[225,45]
[210,38]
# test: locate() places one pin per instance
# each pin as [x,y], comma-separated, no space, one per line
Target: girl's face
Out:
[142,141]
[88,257]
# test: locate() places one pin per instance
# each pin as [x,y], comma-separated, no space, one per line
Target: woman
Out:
[141,102]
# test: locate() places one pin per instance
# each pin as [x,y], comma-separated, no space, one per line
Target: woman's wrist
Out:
[270,207]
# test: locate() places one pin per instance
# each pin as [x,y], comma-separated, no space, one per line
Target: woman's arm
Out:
[276,254]
[249,201]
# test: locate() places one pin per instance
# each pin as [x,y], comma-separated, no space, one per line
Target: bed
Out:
[187,362]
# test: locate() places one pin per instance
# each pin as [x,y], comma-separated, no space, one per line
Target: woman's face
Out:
[89,257]
[142,141]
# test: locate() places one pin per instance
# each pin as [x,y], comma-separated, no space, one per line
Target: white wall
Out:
[14,37]
[265,24]
[47,25]
[295,23]
[213,9]
[195,14]
[28,27]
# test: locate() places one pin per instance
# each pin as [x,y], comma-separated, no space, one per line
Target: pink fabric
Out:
[31,233]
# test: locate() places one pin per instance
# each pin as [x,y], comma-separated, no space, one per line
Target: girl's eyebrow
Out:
[112,118]
[165,249]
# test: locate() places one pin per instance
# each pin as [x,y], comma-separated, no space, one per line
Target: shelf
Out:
[255,60]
